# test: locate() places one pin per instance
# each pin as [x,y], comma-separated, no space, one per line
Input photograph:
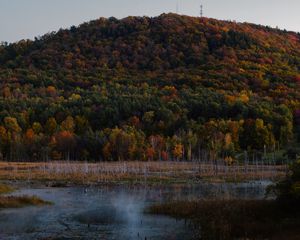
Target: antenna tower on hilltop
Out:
[201,10]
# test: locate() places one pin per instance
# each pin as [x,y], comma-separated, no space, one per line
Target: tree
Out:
[51,126]
[30,141]
[51,91]
[13,133]
[178,151]
[37,127]
[12,125]
[65,142]
[190,140]
[82,125]
[257,135]
[3,142]
[150,153]
[157,145]
[68,124]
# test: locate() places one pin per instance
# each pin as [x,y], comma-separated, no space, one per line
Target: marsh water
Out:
[112,212]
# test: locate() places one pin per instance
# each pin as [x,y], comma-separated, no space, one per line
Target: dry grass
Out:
[5,189]
[236,219]
[152,172]
[20,201]
[17,201]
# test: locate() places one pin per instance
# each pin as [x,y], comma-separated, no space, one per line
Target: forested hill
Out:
[169,87]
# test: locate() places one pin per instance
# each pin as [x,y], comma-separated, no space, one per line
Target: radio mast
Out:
[201,10]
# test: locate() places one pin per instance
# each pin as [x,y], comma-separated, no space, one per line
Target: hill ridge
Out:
[169,76]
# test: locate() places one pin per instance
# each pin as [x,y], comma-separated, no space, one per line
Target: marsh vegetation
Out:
[236,219]
[5,189]
[243,219]
[21,201]
[84,173]
[9,201]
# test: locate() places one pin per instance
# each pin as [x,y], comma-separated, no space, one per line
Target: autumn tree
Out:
[65,142]
[13,136]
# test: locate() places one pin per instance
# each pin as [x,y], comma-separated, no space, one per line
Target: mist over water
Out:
[111,212]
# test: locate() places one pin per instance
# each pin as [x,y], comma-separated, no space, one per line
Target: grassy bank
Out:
[17,201]
[236,219]
[21,201]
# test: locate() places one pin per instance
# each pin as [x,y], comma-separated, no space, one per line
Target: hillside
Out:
[169,87]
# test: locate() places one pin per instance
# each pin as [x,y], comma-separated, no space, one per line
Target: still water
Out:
[112,212]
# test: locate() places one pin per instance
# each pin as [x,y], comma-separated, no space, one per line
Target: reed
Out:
[137,172]
[236,219]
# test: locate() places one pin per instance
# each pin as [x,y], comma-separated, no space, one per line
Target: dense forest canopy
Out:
[140,88]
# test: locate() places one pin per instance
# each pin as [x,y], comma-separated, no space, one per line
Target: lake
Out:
[113,212]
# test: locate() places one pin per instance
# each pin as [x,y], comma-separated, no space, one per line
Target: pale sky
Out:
[21,19]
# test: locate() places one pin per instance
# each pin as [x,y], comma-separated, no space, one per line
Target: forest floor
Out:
[236,219]
[82,173]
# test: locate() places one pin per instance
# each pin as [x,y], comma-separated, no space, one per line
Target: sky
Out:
[26,19]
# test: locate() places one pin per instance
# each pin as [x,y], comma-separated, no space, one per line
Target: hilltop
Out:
[149,88]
